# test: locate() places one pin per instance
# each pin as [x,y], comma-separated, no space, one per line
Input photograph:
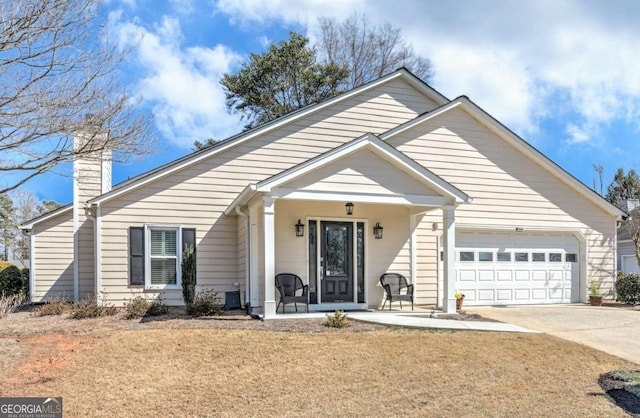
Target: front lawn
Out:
[247,372]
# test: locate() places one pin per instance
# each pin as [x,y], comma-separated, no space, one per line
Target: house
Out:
[457,202]
[626,259]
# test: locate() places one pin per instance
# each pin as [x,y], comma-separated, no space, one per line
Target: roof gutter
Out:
[241,199]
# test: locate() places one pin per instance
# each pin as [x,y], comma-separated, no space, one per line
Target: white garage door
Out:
[517,268]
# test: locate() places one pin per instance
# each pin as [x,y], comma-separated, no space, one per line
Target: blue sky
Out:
[563,75]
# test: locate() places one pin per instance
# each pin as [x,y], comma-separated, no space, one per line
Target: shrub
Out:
[337,320]
[140,307]
[4,265]
[631,378]
[89,308]
[633,388]
[205,303]
[9,303]
[157,308]
[188,275]
[11,281]
[626,375]
[628,287]
[136,308]
[54,307]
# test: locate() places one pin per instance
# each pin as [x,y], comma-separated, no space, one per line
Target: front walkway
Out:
[415,319]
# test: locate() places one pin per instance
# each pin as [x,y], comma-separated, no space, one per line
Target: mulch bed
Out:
[27,322]
[616,390]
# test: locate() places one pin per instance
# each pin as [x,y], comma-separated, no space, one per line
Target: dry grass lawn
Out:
[390,372]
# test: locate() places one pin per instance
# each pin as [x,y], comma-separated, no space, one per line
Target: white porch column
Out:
[254,268]
[449,262]
[269,258]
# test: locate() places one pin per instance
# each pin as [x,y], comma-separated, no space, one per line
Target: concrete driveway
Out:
[612,330]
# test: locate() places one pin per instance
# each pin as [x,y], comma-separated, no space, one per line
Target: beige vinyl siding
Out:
[241,256]
[86,258]
[90,173]
[197,195]
[363,171]
[427,256]
[508,188]
[53,261]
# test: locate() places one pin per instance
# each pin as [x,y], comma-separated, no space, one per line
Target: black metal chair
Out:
[396,288]
[291,290]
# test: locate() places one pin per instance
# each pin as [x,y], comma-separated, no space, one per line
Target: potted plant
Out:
[459,299]
[595,295]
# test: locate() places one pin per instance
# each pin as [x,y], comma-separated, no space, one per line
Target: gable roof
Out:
[179,164]
[463,102]
[29,224]
[369,141]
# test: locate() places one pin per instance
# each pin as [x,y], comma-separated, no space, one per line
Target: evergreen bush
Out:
[628,287]
[188,275]
[11,281]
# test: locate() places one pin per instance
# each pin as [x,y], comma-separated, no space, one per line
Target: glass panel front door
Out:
[337,261]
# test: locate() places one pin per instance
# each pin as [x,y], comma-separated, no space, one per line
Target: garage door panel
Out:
[466,276]
[538,294]
[533,268]
[504,275]
[484,295]
[556,293]
[504,295]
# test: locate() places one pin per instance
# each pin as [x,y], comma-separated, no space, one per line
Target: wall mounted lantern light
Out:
[377,231]
[349,207]
[299,229]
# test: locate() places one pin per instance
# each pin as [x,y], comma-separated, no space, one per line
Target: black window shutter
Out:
[136,255]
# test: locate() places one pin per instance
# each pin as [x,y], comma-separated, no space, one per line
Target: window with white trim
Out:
[163,257]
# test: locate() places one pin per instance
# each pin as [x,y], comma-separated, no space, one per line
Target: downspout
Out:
[76,246]
[616,225]
[247,250]
[32,264]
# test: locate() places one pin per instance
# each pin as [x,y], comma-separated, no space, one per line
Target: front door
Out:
[337,261]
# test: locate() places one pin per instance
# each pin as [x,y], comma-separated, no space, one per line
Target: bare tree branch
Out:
[369,52]
[60,80]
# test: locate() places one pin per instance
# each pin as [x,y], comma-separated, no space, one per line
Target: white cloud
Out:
[182,6]
[521,61]
[246,12]
[577,134]
[181,84]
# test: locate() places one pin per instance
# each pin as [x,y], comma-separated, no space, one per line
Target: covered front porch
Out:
[339,222]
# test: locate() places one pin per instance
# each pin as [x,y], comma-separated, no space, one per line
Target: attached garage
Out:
[503,268]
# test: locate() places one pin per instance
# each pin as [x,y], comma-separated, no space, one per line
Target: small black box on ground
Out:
[232,300]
